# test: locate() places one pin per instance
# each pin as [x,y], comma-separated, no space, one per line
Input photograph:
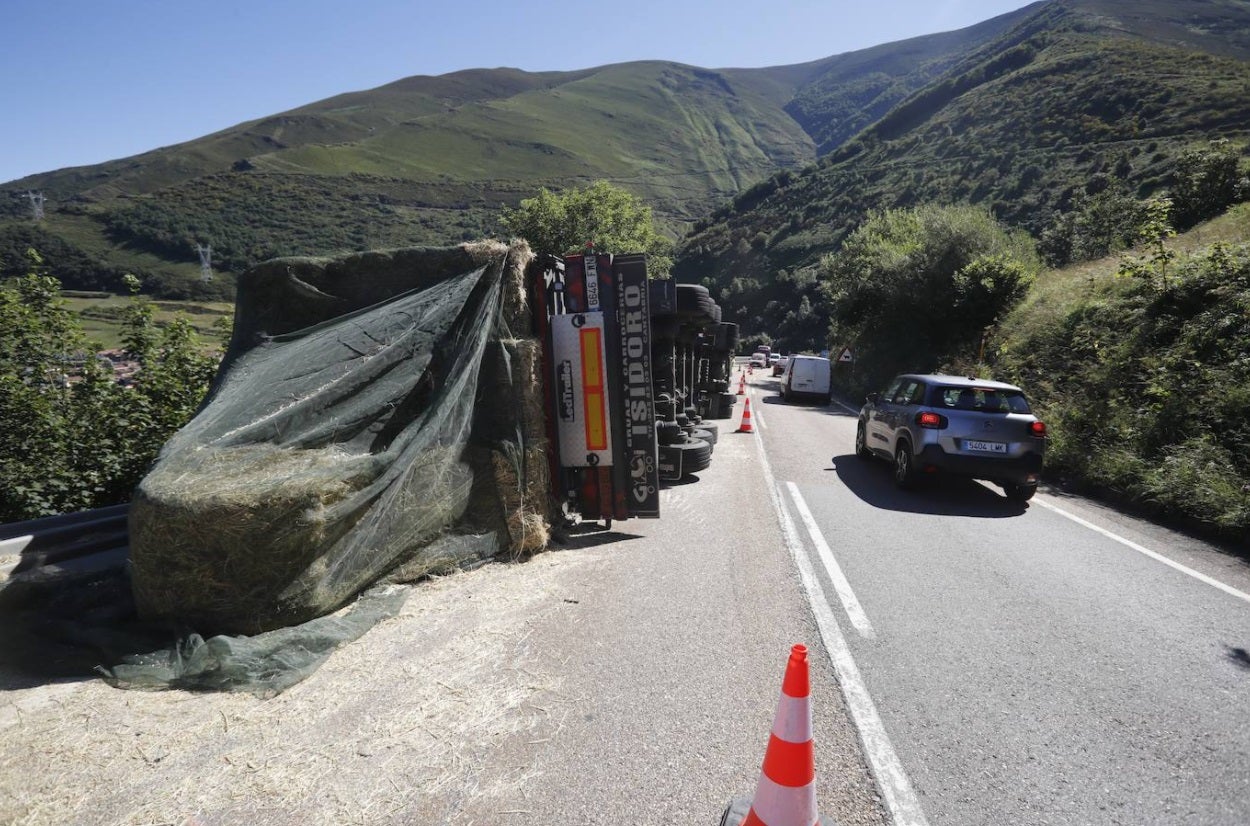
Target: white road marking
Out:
[887,769]
[854,611]
[1228,589]
[847,407]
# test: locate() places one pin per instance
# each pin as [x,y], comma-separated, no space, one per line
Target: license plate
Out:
[985,447]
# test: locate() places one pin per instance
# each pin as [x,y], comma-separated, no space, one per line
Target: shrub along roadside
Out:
[71,437]
[911,288]
[1145,383]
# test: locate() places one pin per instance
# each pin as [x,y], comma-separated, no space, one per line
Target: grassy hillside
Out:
[434,159]
[1145,382]
[1079,96]
[852,91]
[424,160]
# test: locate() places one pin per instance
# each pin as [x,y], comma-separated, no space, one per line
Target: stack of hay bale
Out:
[376,415]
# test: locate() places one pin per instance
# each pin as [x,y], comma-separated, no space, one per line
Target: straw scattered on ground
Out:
[396,727]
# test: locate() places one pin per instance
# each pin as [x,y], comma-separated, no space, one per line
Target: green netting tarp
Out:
[372,422]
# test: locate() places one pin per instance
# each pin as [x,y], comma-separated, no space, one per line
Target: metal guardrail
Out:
[66,547]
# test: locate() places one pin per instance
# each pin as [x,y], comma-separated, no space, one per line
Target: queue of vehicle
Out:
[932,425]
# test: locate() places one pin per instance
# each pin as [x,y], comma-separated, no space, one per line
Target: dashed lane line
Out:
[854,611]
[896,789]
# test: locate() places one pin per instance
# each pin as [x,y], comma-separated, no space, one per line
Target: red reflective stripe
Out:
[797,682]
[789,764]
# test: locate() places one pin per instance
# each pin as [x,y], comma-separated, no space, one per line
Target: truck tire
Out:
[704,436]
[679,460]
[698,456]
[694,303]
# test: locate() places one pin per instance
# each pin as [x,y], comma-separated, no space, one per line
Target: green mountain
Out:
[1077,97]
[433,159]
[1023,112]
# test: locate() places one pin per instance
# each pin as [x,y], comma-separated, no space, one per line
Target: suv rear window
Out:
[984,399]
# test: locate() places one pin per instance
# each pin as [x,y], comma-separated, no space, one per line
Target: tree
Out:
[913,288]
[1205,183]
[1154,232]
[1097,225]
[612,219]
[71,436]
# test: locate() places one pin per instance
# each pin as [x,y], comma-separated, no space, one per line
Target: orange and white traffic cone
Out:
[745,427]
[742,384]
[786,794]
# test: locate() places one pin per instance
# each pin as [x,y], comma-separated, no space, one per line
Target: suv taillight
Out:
[929,419]
[1037,429]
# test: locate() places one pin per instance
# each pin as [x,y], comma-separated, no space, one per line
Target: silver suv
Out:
[927,424]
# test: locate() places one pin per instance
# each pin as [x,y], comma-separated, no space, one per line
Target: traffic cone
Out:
[745,427]
[742,384]
[786,794]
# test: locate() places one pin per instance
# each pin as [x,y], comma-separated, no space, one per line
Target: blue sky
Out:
[86,81]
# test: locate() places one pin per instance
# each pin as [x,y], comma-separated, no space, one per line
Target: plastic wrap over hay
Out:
[327,455]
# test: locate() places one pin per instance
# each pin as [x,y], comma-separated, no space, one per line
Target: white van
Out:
[807,377]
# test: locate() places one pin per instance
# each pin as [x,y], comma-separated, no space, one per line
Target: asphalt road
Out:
[1024,664]
[972,662]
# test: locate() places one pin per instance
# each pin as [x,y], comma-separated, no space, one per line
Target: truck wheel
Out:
[684,459]
[698,456]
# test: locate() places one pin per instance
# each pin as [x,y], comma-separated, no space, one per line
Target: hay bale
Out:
[521,479]
[526,359]
[258,537]
[516,310]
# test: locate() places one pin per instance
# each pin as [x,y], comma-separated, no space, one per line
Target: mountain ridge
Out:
[1068,103]
[432,159]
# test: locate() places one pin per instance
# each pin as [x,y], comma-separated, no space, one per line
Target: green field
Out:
[102,317]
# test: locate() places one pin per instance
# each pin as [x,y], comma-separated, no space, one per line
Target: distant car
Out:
[759,360]
[779,366]
[933,424]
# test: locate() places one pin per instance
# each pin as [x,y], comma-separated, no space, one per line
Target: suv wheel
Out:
[861,443]
[904,467]
[1019,493]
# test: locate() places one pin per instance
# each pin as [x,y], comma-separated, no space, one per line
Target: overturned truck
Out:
[383,416]
[634,369]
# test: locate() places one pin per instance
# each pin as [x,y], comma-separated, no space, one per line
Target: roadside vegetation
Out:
[1139,362]
[912,286]
[73,437]
[1140,365]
